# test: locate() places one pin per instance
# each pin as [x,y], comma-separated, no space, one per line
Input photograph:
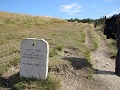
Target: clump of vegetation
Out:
[55,50]
[88,20]
[51,83]
[96,22]
[14,82]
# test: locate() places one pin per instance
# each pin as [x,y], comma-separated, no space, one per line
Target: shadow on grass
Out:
[15,82]
[10,81]
[78,63]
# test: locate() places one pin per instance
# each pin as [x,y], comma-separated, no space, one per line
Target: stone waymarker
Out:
[34,58]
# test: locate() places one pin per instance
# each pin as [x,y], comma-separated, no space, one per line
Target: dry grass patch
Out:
[62,36]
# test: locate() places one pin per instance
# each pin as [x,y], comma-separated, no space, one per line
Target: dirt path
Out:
[103,78]
[104,67]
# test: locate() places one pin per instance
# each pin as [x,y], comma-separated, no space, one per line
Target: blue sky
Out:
[65,9]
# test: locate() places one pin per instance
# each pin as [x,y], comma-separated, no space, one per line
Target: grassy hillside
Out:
[67,42]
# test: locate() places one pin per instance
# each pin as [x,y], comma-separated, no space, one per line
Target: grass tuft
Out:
[51,83]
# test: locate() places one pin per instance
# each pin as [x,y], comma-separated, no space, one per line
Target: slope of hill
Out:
[72,46]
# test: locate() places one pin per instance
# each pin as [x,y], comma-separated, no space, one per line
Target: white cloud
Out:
[71,9]
[114,12]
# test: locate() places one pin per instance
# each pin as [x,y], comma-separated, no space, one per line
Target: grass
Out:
[112,44]
[55,51]
[60,34]
[94,39]
[51,83]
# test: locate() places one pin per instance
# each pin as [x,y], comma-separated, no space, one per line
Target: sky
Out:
[64,9]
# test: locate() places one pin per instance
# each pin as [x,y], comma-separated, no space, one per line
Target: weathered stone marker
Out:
[34,58]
